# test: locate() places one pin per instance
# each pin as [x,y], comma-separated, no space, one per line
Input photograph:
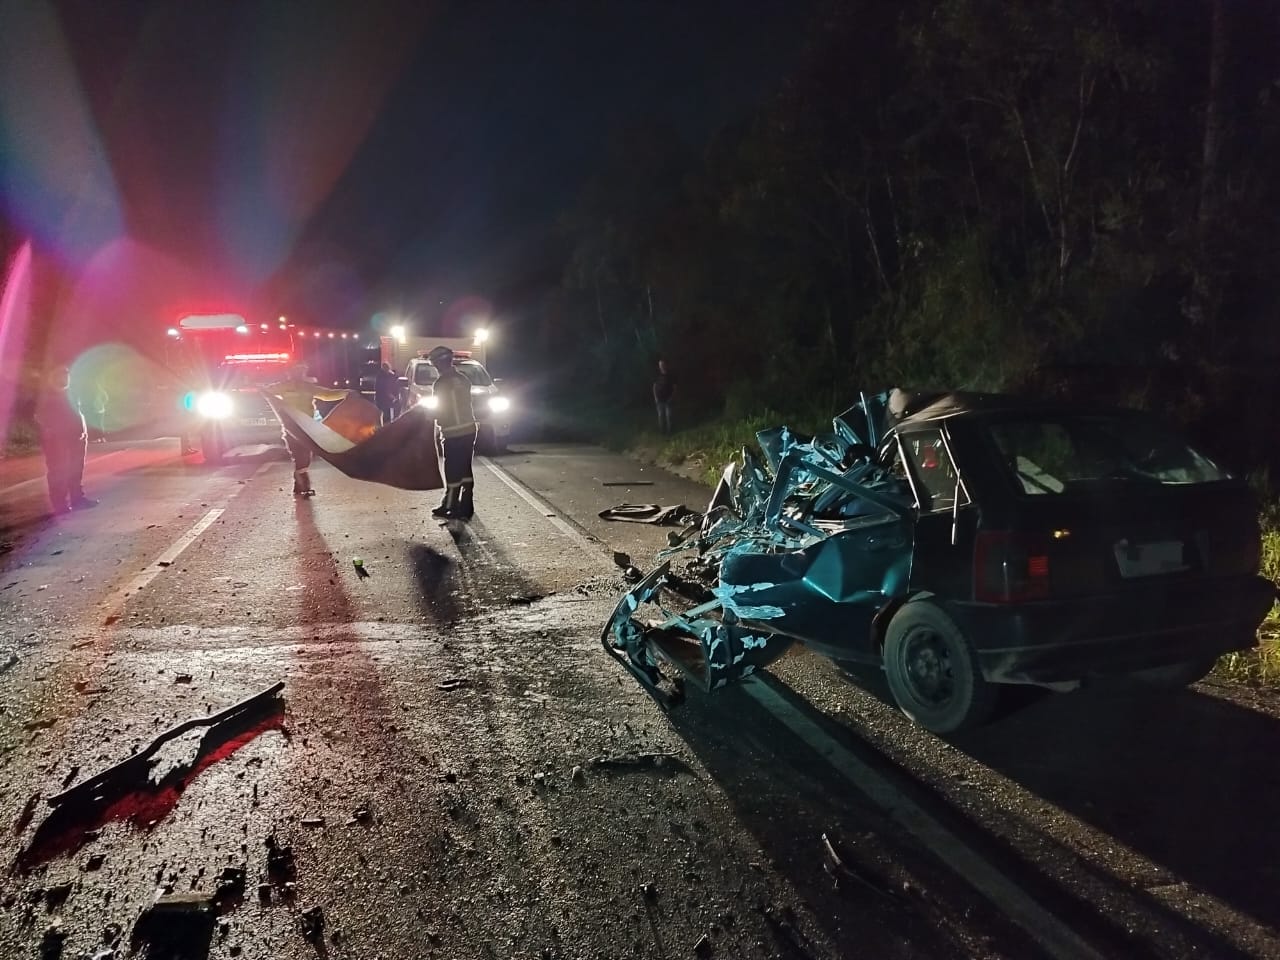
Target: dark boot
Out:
[466,508]
[448,504]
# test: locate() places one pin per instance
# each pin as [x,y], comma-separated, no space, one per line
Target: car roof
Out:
[928,406]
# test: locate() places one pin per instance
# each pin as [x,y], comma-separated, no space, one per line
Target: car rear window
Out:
[1047,456]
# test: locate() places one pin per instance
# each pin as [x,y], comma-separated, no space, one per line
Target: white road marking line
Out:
[40,480]
[1046,929]
[1057,939]
[594,550]
[116,600]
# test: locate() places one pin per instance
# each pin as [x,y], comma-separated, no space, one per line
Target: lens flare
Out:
[15,312]
[119,388]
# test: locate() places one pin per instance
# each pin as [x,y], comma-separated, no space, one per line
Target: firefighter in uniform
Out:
[299,393]
[456,421]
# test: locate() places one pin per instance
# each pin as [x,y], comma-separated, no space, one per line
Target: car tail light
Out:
[1009,568]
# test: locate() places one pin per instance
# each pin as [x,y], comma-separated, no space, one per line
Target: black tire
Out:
[1175,675]
[489,442]
[211,449]
[933,672]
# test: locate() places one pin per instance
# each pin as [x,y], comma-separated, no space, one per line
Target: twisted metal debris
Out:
[795,520]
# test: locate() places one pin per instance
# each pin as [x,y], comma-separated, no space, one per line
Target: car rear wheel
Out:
[933,672]
[1176,675]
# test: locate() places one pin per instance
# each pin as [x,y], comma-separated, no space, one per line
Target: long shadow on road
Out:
[1186,779]
[787,796]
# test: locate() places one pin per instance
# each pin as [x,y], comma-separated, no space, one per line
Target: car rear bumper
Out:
[1055,642]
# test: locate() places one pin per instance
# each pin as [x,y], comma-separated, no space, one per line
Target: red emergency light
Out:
[255,357]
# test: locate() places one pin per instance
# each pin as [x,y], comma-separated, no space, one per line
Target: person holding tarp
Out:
[402,454]
[299,393]
[456,421]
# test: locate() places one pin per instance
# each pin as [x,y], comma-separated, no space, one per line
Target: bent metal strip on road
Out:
[116,600]
[1052,934]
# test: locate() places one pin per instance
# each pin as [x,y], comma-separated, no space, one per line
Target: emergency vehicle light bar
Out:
[254,357]
[219,321]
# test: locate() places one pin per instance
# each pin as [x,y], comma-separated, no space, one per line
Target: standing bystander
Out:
[387,393]
[664,391]
[62,439]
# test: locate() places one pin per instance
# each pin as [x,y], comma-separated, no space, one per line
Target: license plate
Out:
[1150,559]
[257,421]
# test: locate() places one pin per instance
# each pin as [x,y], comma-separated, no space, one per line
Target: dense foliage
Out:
[1060,194]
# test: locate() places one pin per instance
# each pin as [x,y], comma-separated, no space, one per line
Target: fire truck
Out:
[224,360]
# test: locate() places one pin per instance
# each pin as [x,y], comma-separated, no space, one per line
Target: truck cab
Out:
[226,362]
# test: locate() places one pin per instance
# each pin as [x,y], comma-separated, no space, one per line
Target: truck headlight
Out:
[499,404]
[214,405]
[430,402]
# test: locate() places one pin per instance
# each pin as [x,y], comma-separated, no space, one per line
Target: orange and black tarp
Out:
[401,454]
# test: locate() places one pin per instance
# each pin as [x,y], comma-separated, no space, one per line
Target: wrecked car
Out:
[960,542]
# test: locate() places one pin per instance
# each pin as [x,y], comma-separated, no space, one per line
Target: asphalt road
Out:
[454,768]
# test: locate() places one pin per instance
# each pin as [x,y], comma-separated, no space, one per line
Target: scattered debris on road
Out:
[176,925]
[626,483]
[182,678]
[281,869]
[28,811]
[52,941]
[229,887]
[453,683]
[56,896]
[10,661]
[312,923]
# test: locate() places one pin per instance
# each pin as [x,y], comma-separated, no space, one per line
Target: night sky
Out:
[338,159]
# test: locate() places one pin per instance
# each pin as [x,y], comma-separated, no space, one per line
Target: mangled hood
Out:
[806,541]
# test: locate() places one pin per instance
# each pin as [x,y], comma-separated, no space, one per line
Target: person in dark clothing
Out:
[62,439]
[456,422]
[386,393]
[664,392]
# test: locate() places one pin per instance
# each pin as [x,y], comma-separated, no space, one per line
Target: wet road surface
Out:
[455,769]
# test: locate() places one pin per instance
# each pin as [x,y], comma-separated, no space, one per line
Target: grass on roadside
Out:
[703,450]
[1262,665]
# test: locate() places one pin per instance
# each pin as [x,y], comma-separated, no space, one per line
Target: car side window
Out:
[934,470]
[422,375]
